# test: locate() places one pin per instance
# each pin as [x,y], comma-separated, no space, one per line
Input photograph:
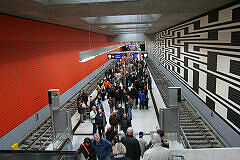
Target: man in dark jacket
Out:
[111,103]
[110,134]
[86,149]
[114,120]
[134,96]
[125,123]
[102,147]
[84,97]
[117,99]
[120,112]
[132,145]
[80,105]
[130,106]
[100,121]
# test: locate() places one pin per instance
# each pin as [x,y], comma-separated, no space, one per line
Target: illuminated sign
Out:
[117,56]
[114,56]
[135,55]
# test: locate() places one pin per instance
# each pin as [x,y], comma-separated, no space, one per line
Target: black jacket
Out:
[110,135]
[91,156]
[125,123]
[132,146]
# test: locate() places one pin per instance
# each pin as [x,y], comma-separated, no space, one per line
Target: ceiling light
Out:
[125,26]
[54,2]
[141,18]
[130,29]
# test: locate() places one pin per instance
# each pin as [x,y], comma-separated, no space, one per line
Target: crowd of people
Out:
[125,87]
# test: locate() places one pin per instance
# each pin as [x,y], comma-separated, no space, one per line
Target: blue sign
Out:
[135,55]
[117,56]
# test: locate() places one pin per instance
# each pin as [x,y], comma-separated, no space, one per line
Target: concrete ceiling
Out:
[110,17]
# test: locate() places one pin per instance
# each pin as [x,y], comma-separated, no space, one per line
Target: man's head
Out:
[130,131]
[87,141]
[96,137]
[124,115]
[119,106]
[114,112]
[140,134]
[156,138]
[109,128]
[128,97]
[100,110]
[94,108]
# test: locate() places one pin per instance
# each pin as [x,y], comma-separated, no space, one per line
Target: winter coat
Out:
[111,103]
[117,96]
[143,145]
[132,146]
[102,149]
[120,112]
[130,103]
[91,155]
[85,98]
[114,120]
[81,108]
[125,124]
[142,96]
[134,93]
[93,116]
[100,120]
[157,152]
[110,135]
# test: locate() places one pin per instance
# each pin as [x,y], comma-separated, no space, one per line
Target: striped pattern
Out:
[204,54]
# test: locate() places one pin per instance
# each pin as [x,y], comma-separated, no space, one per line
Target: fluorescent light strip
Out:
[86,55]
[123,19]
[126,26]
[54,2]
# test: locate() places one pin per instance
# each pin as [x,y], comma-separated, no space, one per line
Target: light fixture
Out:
[141,18]
[54,2]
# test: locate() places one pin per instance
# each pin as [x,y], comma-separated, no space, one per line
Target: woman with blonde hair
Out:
[119,152]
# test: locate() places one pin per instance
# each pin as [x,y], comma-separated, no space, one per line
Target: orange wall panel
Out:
[35,57]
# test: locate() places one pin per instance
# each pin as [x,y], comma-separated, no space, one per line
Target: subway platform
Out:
[142,120]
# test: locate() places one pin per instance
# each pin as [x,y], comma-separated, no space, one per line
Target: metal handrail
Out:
[186,143]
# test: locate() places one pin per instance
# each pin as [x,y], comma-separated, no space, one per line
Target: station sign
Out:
[114,56]
[126,56]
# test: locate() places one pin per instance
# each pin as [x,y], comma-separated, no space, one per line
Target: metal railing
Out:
[37,155]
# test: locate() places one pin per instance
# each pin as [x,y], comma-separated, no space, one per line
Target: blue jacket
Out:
[102,149]
[142,96]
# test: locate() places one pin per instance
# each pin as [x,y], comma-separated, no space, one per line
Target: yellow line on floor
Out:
[78,119]
[155,100]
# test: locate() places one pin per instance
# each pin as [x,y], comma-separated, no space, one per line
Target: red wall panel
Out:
[35,57]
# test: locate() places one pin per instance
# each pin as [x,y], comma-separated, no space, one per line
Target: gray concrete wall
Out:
[18,133]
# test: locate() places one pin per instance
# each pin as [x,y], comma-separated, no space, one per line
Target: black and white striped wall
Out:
[204,54]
